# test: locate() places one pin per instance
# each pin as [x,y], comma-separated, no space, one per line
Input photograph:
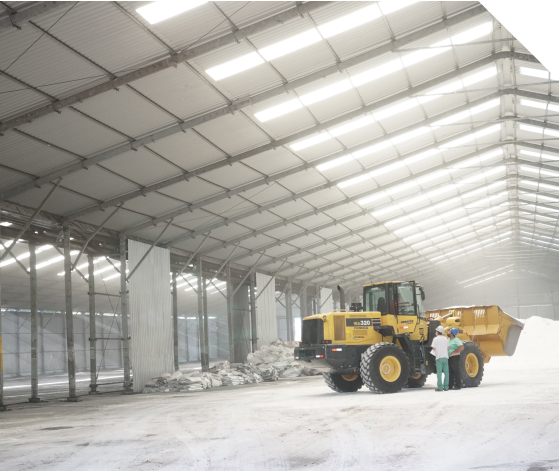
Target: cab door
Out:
[406,309]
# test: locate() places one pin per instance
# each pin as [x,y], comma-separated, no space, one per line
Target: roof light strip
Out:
[156,12]
[302,40]
[373,73]
[485,245]
[392,110]
[25,255]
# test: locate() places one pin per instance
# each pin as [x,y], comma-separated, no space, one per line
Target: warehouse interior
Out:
[181,183]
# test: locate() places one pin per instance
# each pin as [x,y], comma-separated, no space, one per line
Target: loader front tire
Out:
[385,368]
[417,381]
[343,383]
[471,365]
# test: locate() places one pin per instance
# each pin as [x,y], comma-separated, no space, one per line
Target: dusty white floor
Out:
[511,422]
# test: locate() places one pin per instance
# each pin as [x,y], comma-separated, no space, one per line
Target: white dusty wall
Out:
[151,322]
[266,320]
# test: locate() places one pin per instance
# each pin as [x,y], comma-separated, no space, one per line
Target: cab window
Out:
[375,299]
[405,299]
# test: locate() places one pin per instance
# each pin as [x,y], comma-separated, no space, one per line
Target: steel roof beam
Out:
[166,63]
[341,236]
[369,249]
[300,168]
[346,200]
[258,150]
[328,184]
[18,18]
[285,256]
[64,170]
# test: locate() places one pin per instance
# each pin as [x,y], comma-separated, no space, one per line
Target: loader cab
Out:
[394,297]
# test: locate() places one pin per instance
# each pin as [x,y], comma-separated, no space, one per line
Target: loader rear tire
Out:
[471,365]
[385,368]
[343,383]
[417,381]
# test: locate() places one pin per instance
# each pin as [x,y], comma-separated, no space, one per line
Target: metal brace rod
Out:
[270,280]
[114,266]
[33,216]
[75,269]
[247,275]
[305,286]
[105,294]
[94,234]
[189,284]
[193,255]
[224,263]
[219,291]
[149,250]
[16,260]
[289,280]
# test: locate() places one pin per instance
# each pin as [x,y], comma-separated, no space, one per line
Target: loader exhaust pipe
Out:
[342,298]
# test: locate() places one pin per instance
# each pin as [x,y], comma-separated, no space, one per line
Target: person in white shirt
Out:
[440,350]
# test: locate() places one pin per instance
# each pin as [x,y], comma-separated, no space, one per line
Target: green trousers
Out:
[442,367]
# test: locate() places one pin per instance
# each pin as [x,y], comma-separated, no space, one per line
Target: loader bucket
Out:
[495,332]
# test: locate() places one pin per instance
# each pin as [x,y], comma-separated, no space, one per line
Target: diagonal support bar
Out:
[33,216]
[149,250]
[193,254]
[270,280]
[94,234]
[248,274]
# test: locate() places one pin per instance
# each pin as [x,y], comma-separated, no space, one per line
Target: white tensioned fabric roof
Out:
[332,141]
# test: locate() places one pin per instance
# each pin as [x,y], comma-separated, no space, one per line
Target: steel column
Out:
[2,406]
[288,311]
[42,320]
[201,305]
[206,351]
[92,328]
[304,303]
[33,297]
[124,314]
[69,317]
[254,332]
[175,323]
[229,287]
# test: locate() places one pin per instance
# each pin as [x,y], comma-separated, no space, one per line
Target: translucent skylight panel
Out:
[539,155]
[235,66]
[539,105]
[538,130]
[158,11]
[530,72]
[389,6]
[396,64]
[294,43]
[279,110]
[350,21]
[472,137]
[326,92]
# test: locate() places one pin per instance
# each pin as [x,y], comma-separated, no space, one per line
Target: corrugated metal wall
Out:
[326,300]
[266,320]
[151,323]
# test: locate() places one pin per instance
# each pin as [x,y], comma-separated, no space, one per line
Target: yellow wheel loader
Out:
[385,344]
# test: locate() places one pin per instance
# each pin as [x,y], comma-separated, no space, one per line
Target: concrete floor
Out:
[511,422]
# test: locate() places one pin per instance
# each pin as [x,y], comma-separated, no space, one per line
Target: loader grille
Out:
[313,332]
[339,327]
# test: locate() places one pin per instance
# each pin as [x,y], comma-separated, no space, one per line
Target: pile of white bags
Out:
[267,364]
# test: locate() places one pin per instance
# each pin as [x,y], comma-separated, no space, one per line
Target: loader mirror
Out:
[422,293]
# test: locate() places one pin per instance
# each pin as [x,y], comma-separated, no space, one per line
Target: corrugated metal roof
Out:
[104,34]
